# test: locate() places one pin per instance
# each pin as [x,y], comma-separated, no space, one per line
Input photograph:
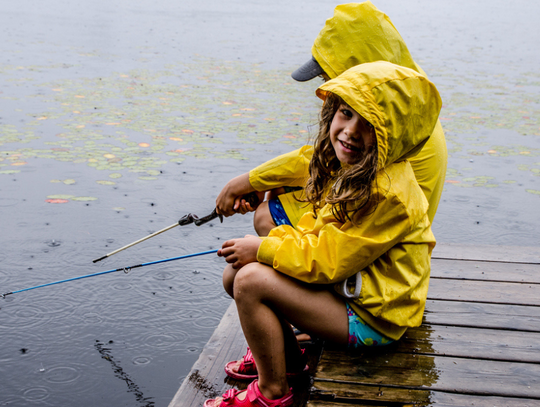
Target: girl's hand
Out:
[240,252]
[243,206]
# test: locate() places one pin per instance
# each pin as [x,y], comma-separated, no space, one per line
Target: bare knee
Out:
[229,275]
[262,220]
[252,281]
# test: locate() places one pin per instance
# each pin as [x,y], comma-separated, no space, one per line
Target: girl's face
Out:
[351,135]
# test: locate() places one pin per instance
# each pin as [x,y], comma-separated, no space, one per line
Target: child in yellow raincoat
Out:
[369,215]
[357,33]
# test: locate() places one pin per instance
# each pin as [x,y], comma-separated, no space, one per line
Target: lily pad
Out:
[84,198]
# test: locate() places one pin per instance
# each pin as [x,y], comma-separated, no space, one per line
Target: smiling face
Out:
[351,135]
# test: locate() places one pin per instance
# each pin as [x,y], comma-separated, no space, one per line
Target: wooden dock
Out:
[479,344]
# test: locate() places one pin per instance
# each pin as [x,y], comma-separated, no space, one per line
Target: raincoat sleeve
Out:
[324,251]
[290,169]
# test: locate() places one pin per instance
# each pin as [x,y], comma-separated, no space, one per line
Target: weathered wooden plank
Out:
[481,270]
[484,291]
[495,316]
[487,252]
[438,373]
[510,346]
[207,378]
[331,394]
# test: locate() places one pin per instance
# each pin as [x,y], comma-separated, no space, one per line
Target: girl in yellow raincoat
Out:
[369,215]
[357,33]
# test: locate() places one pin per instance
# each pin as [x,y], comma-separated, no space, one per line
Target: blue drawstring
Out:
[124,269]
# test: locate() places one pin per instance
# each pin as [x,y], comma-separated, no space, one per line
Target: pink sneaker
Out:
[254,398]
[248,370]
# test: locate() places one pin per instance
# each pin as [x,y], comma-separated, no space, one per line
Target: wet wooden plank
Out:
[481,270]
[495,316]
[438,373]
[331,394]
[484,291]
[518,254]
[492,344]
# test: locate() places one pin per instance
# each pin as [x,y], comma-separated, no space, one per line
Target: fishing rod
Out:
[252,198]
[124,269]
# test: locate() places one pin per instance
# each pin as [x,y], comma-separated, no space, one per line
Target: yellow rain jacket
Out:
[357,33]
[392,245]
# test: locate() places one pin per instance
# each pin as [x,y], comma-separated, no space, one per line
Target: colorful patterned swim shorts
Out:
[361,334]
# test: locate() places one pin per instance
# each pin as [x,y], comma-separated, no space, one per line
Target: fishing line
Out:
[124,269]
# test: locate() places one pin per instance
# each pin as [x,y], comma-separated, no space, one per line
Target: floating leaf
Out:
[9,172]
[84,198]
[60,196]
[533,191]
[119,208]
[106,182]
[69,181]
[56,201]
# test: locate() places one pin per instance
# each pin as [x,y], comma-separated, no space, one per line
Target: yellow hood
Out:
[356,34]
[400,103]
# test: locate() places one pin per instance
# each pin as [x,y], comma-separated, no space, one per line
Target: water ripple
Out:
[206,322]
[36,394]
[62,374]
[164,341]
[142,360]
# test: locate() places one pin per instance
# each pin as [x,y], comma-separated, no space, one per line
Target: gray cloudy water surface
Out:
[119,117]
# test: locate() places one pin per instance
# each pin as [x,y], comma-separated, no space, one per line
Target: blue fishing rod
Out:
[124,269]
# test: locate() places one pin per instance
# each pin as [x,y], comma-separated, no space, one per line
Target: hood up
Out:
[356,34]
[400,103]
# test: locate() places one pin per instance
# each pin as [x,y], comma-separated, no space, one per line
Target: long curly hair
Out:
[349,189]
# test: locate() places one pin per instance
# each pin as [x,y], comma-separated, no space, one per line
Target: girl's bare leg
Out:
[266,299]
[262,220]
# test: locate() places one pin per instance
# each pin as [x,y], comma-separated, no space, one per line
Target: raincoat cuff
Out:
[267,250]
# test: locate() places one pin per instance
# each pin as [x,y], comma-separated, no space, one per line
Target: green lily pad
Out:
[60,196]
[84,198]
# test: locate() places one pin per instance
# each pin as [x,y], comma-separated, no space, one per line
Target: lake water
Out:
[119,117]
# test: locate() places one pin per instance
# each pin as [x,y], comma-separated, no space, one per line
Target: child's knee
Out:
[250,280]
[229,275]
[262,220]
